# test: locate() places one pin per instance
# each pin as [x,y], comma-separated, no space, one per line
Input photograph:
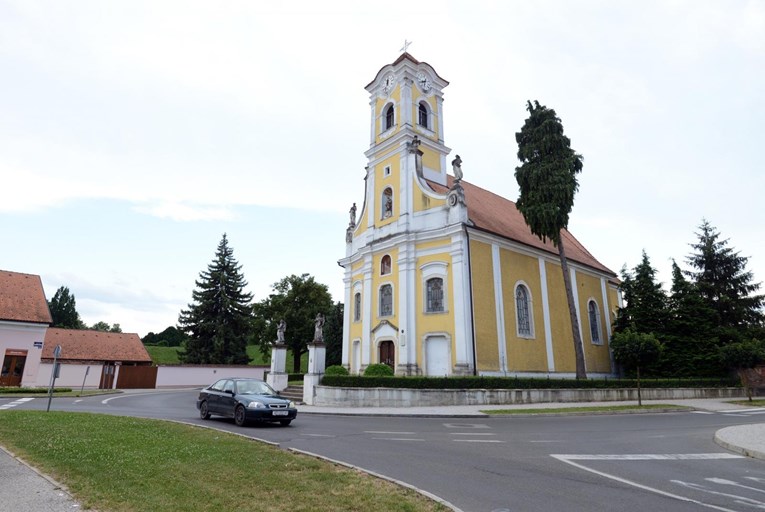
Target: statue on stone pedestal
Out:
[318,335]
[280,331]
[352,213]
[457,168]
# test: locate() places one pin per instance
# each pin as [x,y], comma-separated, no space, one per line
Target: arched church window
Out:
[389,117]
[422,117]
[385,265]
[387,203]
[386,300]
[434,295]
[523,310]
[594,314]
[357,307]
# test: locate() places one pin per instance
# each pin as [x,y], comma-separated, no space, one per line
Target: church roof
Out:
[406,56]
[495,214]
[84,345]
[22,298]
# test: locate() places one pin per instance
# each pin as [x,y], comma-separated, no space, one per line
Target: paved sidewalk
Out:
[24,489]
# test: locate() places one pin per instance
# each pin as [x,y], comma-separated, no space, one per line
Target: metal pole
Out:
[56,355]
[87,370]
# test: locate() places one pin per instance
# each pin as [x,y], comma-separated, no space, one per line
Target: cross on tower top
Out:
[406,45]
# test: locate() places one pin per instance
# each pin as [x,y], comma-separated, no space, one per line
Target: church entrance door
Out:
[437,356]
[388,353]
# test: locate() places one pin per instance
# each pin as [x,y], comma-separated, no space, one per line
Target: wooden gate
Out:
[137,377]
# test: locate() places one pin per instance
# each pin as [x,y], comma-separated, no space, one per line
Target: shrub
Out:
[378,370]
[336,369]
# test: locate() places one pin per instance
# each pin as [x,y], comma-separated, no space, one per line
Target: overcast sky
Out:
[134,134]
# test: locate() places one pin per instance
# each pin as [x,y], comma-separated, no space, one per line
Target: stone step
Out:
[294,393]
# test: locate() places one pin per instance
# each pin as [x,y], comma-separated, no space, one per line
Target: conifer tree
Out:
[725,285]
[646,302]
[218,320]
[547,181]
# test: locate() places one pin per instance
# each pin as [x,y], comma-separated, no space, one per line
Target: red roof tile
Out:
[22,298]
[94,346]
[495,214]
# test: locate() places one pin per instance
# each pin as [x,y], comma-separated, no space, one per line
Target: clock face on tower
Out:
[388,84]
[424,81]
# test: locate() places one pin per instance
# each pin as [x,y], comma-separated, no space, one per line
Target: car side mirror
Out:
[230,392]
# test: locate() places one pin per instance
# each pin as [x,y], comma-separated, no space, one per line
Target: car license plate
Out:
[280,413]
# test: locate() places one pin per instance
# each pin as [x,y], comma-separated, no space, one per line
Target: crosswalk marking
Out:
[20,401]
[649,456]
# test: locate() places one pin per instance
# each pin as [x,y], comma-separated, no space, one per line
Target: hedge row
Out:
[31,391]
[356,381]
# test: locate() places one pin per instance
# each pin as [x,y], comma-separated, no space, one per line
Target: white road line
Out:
[651,456]
[466,425]
[722,481]
[472,434]
[396,439]
[702,412]
[739,499]
[734,415]
[389,432]
[477,441]
[25,399]
[563,458]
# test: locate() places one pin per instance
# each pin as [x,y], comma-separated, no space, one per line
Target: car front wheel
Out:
[204,413]
[239,415]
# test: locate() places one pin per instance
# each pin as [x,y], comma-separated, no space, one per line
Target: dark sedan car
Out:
[245,400]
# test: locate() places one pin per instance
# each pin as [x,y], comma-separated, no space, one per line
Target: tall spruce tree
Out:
[690,342]
[725,285]
[218,321]
[646,303]
[63,310]
[548,183]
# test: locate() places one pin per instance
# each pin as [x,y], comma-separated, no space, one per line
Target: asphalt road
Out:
[647,462]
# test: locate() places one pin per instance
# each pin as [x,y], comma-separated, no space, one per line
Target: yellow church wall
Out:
[484,310]
[434,322]
[378,280]
[395,97]
[560,322]
[441,243]
[597,357]
[523,354]
[425,201]
[613,302]
[431,101]
[356,329]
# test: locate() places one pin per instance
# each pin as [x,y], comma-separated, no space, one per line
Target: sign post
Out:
[87,370]
[54,374]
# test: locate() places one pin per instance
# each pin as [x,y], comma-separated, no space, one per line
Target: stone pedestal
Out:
[277,376]
[317,352]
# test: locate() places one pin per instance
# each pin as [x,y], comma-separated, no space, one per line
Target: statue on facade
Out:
[457,168]
[352,213]
[280,331]
[318,334]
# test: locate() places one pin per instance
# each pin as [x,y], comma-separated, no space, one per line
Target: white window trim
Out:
[386,132]
[430,270]
[382,203]
[391,265]
[530,297]
[392,300]
[386,171]
[598,321]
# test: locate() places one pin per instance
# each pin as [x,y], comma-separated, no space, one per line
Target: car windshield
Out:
[253,387]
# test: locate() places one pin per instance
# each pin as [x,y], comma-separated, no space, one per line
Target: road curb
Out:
[400,483]
[56,484]
[722,438]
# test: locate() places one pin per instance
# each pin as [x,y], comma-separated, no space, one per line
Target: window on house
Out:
[387,203]
[386,300]
[523,310]
[389,117]
[422,118]
[385,265]
[594,314]
[357,307]
[434,295]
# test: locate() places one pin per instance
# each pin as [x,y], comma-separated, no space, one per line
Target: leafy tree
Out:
[63,310]
[634,350]
[725,285]
[548,182]
[333,334]
[105,327]
[645,300]
[172,336]
[744,356]
[297,300]
[218,320]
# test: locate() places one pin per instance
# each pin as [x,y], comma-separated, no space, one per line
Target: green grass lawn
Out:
[603,408]
[130,464]
[757,402]
[169,355]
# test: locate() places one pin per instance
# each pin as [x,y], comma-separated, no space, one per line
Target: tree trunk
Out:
[640,399]
[581,373]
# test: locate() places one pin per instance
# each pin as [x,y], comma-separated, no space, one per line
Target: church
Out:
[444,278]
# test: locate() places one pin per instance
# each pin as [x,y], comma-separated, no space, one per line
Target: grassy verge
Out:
[169,355]
[754,403]
[130,464]
[602,408]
